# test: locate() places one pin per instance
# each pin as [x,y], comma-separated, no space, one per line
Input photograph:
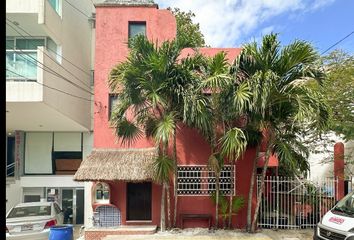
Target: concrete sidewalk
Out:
[298,234]
[204,234]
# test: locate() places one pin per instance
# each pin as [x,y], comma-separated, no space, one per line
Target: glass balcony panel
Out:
[29,44]
[22,65]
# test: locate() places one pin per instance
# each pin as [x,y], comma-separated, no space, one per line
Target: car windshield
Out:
[29,211]
[346,205]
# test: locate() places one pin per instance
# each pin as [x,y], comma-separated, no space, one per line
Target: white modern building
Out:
[322,163]
[49,100]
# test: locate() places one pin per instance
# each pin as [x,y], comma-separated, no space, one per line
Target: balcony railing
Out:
[22,65]
[10,170]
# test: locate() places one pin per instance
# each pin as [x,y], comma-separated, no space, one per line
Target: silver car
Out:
[29,221]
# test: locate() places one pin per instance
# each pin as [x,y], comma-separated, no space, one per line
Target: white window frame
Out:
[204,180]
[103,200]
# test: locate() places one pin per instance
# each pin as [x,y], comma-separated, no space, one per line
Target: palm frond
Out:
[162,167]
[165,127]
[128,132]
[233,143]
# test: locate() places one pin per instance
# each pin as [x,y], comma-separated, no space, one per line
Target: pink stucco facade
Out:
[111,48]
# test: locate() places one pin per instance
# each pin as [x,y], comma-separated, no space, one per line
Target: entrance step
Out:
[111,233]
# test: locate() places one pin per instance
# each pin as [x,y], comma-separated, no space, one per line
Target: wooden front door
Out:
[139,201]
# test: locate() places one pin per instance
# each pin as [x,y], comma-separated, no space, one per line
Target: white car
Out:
[338,223]
[33,220]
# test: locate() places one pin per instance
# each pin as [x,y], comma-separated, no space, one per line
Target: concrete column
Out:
[339,169]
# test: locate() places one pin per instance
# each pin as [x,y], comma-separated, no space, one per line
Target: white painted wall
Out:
[321,165]
[13,194]
[52,21]
[27,92]
[67,141]
[72,33]
[87,148]
[22,6]
[49,181]
[38,152]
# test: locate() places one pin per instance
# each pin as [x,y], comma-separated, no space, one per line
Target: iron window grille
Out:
[200,180]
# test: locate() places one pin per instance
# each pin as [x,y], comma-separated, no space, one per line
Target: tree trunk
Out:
[231,198]
[217,202]
[162,220]
[250,193]
[260,191]
[168,206]
[175,182]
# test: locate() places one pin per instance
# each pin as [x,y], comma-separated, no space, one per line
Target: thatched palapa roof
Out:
[117,164]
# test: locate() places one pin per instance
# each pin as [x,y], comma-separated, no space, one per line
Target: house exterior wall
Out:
[71,31]
[192,149]
[39,174]
[111,48]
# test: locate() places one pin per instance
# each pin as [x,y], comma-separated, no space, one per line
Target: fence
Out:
[292,203]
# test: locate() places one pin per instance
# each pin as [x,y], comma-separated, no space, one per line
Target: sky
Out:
[231,23]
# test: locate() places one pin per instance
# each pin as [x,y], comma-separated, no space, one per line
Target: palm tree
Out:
[280,99]
[153,79]
[212,117]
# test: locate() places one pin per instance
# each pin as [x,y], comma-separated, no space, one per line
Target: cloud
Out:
[225,23]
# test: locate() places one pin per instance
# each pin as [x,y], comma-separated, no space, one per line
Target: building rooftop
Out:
[127,3]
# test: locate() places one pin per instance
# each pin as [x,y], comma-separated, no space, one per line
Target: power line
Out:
[337,43]
[49,70]
[77,9]
[51,57]
[87,73]
[52,71]
[56,89]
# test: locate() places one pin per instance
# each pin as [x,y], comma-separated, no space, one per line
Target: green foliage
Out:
[339,91]
[281,99]
[233,143]
[238,203]
[188,33]
[162,167]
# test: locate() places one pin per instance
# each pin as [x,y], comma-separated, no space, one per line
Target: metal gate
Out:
[292,203]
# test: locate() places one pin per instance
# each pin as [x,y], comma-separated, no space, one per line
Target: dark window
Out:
[10,158]
[136,28]
[113,100]
[28,44]
[10,43]
[32,198]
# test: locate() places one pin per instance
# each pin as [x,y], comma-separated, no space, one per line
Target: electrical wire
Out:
[53,88]
[51,59]
[87,73]
[49,71]
[78,9]
[341,40]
